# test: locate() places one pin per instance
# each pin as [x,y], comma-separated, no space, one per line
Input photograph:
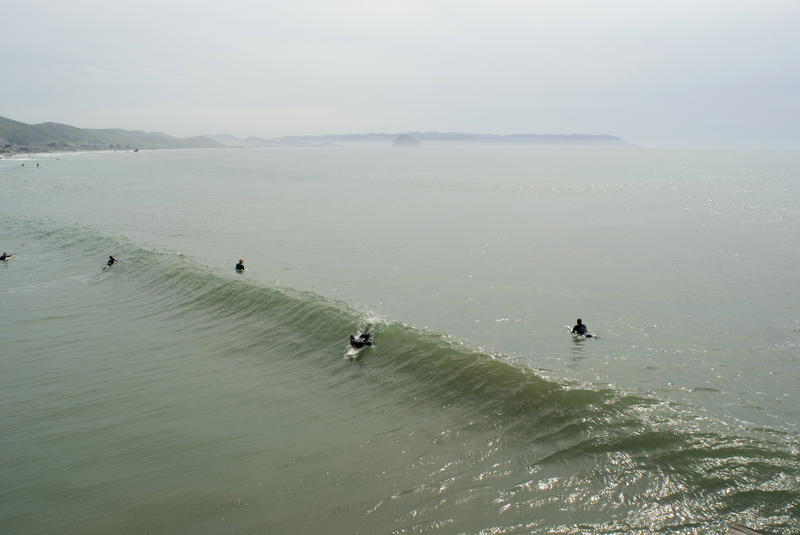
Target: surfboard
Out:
[9,257]
[352,353]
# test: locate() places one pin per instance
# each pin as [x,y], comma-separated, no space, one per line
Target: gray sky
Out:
[657,73]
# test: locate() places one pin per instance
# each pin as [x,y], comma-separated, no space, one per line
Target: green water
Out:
[169,395]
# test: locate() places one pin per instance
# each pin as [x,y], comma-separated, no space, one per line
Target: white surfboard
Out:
[352,353]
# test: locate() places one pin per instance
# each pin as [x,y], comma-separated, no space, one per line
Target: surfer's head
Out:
[579,321]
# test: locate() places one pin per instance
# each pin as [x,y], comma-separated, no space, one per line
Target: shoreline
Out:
[45,153]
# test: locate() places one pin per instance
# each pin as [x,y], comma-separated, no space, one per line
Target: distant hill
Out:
[406,141]
[425,137]
[49,137]
[292,141]
[232,141]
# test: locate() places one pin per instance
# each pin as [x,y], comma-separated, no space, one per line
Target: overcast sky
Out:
[657,73]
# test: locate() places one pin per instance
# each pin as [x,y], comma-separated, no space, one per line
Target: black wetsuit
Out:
[111,261]
[580,329]
[240,267]
[361,341]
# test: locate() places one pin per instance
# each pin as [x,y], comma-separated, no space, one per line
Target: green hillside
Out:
[45,137]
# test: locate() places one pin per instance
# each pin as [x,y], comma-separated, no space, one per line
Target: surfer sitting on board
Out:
[111,261]
[363,339]
[580,329]
[240,266]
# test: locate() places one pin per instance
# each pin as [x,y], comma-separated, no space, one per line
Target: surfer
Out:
[580,329]
[361,341]
[363,338]
[240,266]
[111,261]
[5,256]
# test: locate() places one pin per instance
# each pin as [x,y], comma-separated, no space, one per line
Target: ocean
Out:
[170,395]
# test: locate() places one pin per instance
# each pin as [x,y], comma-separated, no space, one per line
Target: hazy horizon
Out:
[681,74]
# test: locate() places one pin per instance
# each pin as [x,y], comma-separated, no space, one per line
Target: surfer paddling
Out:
[5,256]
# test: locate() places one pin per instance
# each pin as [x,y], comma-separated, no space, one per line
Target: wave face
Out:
[163,396]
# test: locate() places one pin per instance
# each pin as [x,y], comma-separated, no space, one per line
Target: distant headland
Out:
[18,137]
[423,138]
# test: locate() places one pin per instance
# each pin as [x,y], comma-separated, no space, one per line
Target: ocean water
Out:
[169,394]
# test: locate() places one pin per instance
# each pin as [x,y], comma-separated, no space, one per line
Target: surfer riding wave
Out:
[362,339]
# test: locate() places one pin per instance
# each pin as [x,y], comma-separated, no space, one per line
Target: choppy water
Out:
[170,395]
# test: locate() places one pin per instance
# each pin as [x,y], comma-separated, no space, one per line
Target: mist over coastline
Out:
[17,137]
